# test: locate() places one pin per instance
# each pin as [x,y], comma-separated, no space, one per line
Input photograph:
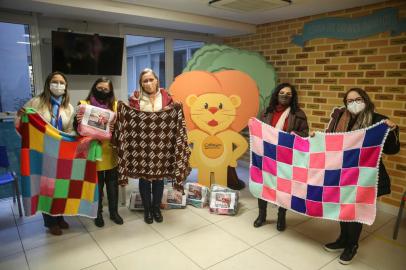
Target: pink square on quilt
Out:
[284,185]
[300,174]
[269,194]
[334,142]
[314,209]
[269,165]
[365,212]
[369,156]
[315,177]
[334,160]
[47,186]
[317,160]
[366,195]
[257,145]
[299,189]
[347,211]
[256,175]
[354,139]
[301,144]
[284,154]
[331,194]
[255,127]
[270,134]
[283,199]
[349,176]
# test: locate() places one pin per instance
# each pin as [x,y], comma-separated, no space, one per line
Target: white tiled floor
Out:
[191,239]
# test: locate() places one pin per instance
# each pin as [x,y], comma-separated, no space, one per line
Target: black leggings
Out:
[350,233]
[110,179]
[157,188]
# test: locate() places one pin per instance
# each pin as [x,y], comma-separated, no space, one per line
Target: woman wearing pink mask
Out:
[359,113]
[53,105]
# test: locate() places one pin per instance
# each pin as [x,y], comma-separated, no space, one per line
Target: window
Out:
[16,78]
[183,51]
[144,52]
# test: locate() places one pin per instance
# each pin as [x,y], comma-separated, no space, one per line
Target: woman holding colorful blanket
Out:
[102,95]
[53,105]
[357,113]
[150,98]
[282,113]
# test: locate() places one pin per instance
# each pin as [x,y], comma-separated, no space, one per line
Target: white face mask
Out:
[356,108]
[57,89]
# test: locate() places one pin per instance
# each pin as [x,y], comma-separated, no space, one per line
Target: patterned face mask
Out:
[356,108]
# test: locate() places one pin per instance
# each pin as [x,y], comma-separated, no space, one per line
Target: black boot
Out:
[99,221]
[112,194]
[157,192]
[262,213]
[281,222]
[342,241]
[145,191]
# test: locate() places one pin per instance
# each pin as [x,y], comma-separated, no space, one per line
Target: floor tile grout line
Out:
[19,237]
[97,244]
[257,249]
[229,257]
[170,243]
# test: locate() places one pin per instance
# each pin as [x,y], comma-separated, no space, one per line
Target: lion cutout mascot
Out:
[218,106]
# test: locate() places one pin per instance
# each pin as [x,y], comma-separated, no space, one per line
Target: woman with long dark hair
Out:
[282,113]
[53,105]
[359,112]
[102,95]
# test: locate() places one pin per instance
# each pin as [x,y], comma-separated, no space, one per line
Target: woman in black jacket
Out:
[359,113]
[282,113]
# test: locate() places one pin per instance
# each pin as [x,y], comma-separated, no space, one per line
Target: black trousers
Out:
[50,221]
[262,205]
[108,178]
[350,233]
[157,188]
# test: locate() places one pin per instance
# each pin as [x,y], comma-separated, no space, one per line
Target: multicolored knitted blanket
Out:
[331,175]
[152,145]
[58,170]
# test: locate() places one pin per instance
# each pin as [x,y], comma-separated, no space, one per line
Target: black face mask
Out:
[100,95]
[284,99]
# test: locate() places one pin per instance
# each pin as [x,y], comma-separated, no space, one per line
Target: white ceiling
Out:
[184,15]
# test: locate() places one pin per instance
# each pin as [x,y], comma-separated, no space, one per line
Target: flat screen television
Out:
[84,54]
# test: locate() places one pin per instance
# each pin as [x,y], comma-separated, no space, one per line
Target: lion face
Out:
[213,112]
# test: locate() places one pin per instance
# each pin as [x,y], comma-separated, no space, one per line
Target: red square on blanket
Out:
[58,206]
[75,189]
[91,172]
[67,150]
[64,169]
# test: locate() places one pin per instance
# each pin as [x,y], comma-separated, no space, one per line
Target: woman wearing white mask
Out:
[53,105]
[359,113]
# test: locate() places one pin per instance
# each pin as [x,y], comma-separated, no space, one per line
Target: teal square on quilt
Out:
[367,177]
[331,210]
[348,194]
[300,159]
[255,189]
[317,143]
[269,180]
[284,170]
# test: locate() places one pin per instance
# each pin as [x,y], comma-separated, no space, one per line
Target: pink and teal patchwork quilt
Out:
[330,176]
[58,170]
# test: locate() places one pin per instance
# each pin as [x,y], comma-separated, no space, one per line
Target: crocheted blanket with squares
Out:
[331,175]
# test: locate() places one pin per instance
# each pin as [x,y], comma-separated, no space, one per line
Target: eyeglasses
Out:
[105,90]
[358,100]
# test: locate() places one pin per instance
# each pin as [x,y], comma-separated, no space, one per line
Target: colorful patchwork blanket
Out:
[58,170]
[152,145]
[331,175]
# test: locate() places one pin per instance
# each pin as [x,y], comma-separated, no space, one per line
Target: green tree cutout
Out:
[215,58]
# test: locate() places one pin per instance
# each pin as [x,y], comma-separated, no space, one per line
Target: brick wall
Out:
[325,68]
